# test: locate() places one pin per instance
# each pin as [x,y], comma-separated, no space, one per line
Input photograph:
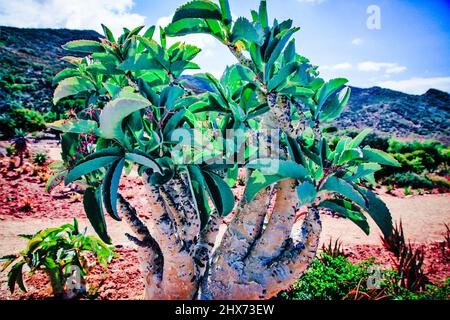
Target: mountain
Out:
[29,58]
[397,113]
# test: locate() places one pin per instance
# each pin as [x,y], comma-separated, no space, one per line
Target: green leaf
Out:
[72,86]
[295,90]
[74,126]
[282,76]
[220,193]
[348,210]
[15,276]
[108,34]
[344,188]
[378,210]
[199,188]
[263,18]
[259,181]
[92,203]
[273,55]
[283,168]
[362,170]
[64,74]
[378,156]
[7,260]
[359,138]
[144,160]
[306,193]
[328,89]
[244,30]
[86,46]
[202,9]
[116,110]
[111,186]
[226,12]
[139,62]
[333,109]
[350,155]
[89,166]
[187,26]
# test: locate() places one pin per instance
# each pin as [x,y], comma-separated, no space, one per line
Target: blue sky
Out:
[409,52]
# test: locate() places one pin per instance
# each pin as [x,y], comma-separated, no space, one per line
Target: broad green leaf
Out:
[89,166]
[116,110]
[203,9]
[15,276]
[295,90]
[359,138]
[378,210]
[92,203]
[144,160]
[110,188]
[263,18]
[244,30]
[306,193]
[74,126]
[108,34]
[362,170]
[378,156]
[273,55]
[64,74]
[199,188]
[333,109]
[350,155]
[139,62]
[226,12]
[72,86]
[348,210]
[86,46]
[344,188]
[259,181]
[328,89]
[282,76]
[220,193]
[187,26]
[283,168]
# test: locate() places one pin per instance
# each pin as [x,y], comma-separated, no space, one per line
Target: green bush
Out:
[56,251]
[329,279]
[408,179]
[25,119]
[337,278]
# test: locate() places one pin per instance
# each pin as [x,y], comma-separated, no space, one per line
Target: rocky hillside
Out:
[29,58]
[398,113]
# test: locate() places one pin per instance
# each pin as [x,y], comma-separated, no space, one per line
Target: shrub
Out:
[55,251]
[439,182]
[407,191]
[329,279]
[40,158]
[21,118]
[408,179]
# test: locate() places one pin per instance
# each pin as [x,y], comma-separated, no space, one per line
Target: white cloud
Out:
[417,85]
[79,14]
[357,41]
[387,67]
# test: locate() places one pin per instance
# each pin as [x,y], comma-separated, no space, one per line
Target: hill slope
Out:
[29,58]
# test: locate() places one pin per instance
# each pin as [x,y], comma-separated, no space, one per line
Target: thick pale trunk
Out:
[251,262]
